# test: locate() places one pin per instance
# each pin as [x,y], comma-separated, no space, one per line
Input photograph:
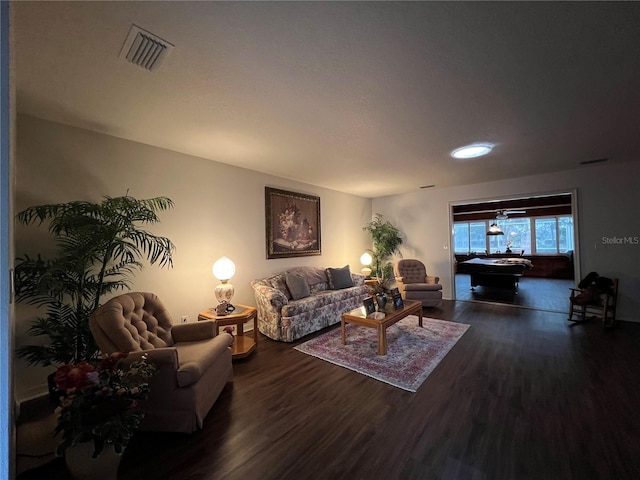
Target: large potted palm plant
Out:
[99,247]
[386,241]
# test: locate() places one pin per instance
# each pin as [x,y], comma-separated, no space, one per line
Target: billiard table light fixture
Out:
[494,229]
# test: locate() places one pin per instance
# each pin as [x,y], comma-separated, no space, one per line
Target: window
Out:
[554,235]
[461,237]
[469,237]
[544,235]
[565,234]
[546,238]
[517,236]
[478,236]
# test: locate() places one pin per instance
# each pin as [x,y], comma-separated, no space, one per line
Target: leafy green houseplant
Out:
[386,241]
[99,246]
[99,401]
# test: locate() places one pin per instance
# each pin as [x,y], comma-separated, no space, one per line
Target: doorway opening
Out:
[520,251]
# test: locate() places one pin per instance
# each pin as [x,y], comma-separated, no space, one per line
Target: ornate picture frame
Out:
[292,224]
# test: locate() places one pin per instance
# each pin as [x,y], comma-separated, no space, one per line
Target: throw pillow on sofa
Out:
[297,285]
[280,283]
[339,278]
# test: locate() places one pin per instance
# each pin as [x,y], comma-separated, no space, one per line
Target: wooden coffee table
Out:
[381,320]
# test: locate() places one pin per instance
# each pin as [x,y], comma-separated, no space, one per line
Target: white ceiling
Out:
[367,98]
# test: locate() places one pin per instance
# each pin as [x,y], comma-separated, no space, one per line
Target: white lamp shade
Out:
[223,269]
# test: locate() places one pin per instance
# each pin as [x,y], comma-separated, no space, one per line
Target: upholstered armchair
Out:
[414,283]
[194,364]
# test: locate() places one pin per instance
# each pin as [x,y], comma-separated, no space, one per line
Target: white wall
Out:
[219,210]
[608,206]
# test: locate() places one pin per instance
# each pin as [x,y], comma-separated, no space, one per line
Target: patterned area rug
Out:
[412,352]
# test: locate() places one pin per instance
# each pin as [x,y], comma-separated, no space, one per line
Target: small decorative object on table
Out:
[397,298]
[381,298]
[224,308]
[508,250]
[99,411]
[228,330]
[369,306]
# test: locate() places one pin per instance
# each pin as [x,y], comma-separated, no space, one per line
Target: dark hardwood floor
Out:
[549,294]
[523,395]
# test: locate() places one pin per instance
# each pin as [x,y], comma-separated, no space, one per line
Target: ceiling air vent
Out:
[145,49]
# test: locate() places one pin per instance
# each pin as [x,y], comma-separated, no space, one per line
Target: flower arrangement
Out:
[99,401]
[288,220]
[298,234]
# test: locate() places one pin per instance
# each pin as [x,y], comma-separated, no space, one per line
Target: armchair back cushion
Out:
[412,271]
[414,283]
[143,323]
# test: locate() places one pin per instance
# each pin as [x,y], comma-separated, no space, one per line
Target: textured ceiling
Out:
[367,98]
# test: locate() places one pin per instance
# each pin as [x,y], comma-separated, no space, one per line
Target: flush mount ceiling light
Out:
[473,150]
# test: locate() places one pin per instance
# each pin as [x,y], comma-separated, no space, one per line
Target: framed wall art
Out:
[293,224]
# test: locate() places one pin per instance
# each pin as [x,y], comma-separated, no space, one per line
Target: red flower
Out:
[76,376]
[109,362]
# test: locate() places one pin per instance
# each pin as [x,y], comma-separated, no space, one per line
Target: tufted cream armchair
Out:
[414,283]
[194,364]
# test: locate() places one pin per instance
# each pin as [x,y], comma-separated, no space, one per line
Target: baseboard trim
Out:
[33,393]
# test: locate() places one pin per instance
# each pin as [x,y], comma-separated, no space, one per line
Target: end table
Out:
[242,344]
[372,284]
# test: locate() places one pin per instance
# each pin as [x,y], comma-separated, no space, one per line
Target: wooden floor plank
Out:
[550,294]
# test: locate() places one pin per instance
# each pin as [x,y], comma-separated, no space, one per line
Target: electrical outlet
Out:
[184,318]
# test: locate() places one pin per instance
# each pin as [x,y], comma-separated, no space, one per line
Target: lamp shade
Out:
[366,259]
[223,269]
[494,229]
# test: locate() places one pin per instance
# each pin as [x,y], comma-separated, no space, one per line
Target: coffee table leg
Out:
[382,340]
[420,316]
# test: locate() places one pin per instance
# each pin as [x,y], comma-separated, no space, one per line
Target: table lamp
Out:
[365,259]
[223,270]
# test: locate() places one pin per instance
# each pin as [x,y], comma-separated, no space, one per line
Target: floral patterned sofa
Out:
[325,295]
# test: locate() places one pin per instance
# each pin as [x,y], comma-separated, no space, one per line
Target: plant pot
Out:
[54,394]
[82,466]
